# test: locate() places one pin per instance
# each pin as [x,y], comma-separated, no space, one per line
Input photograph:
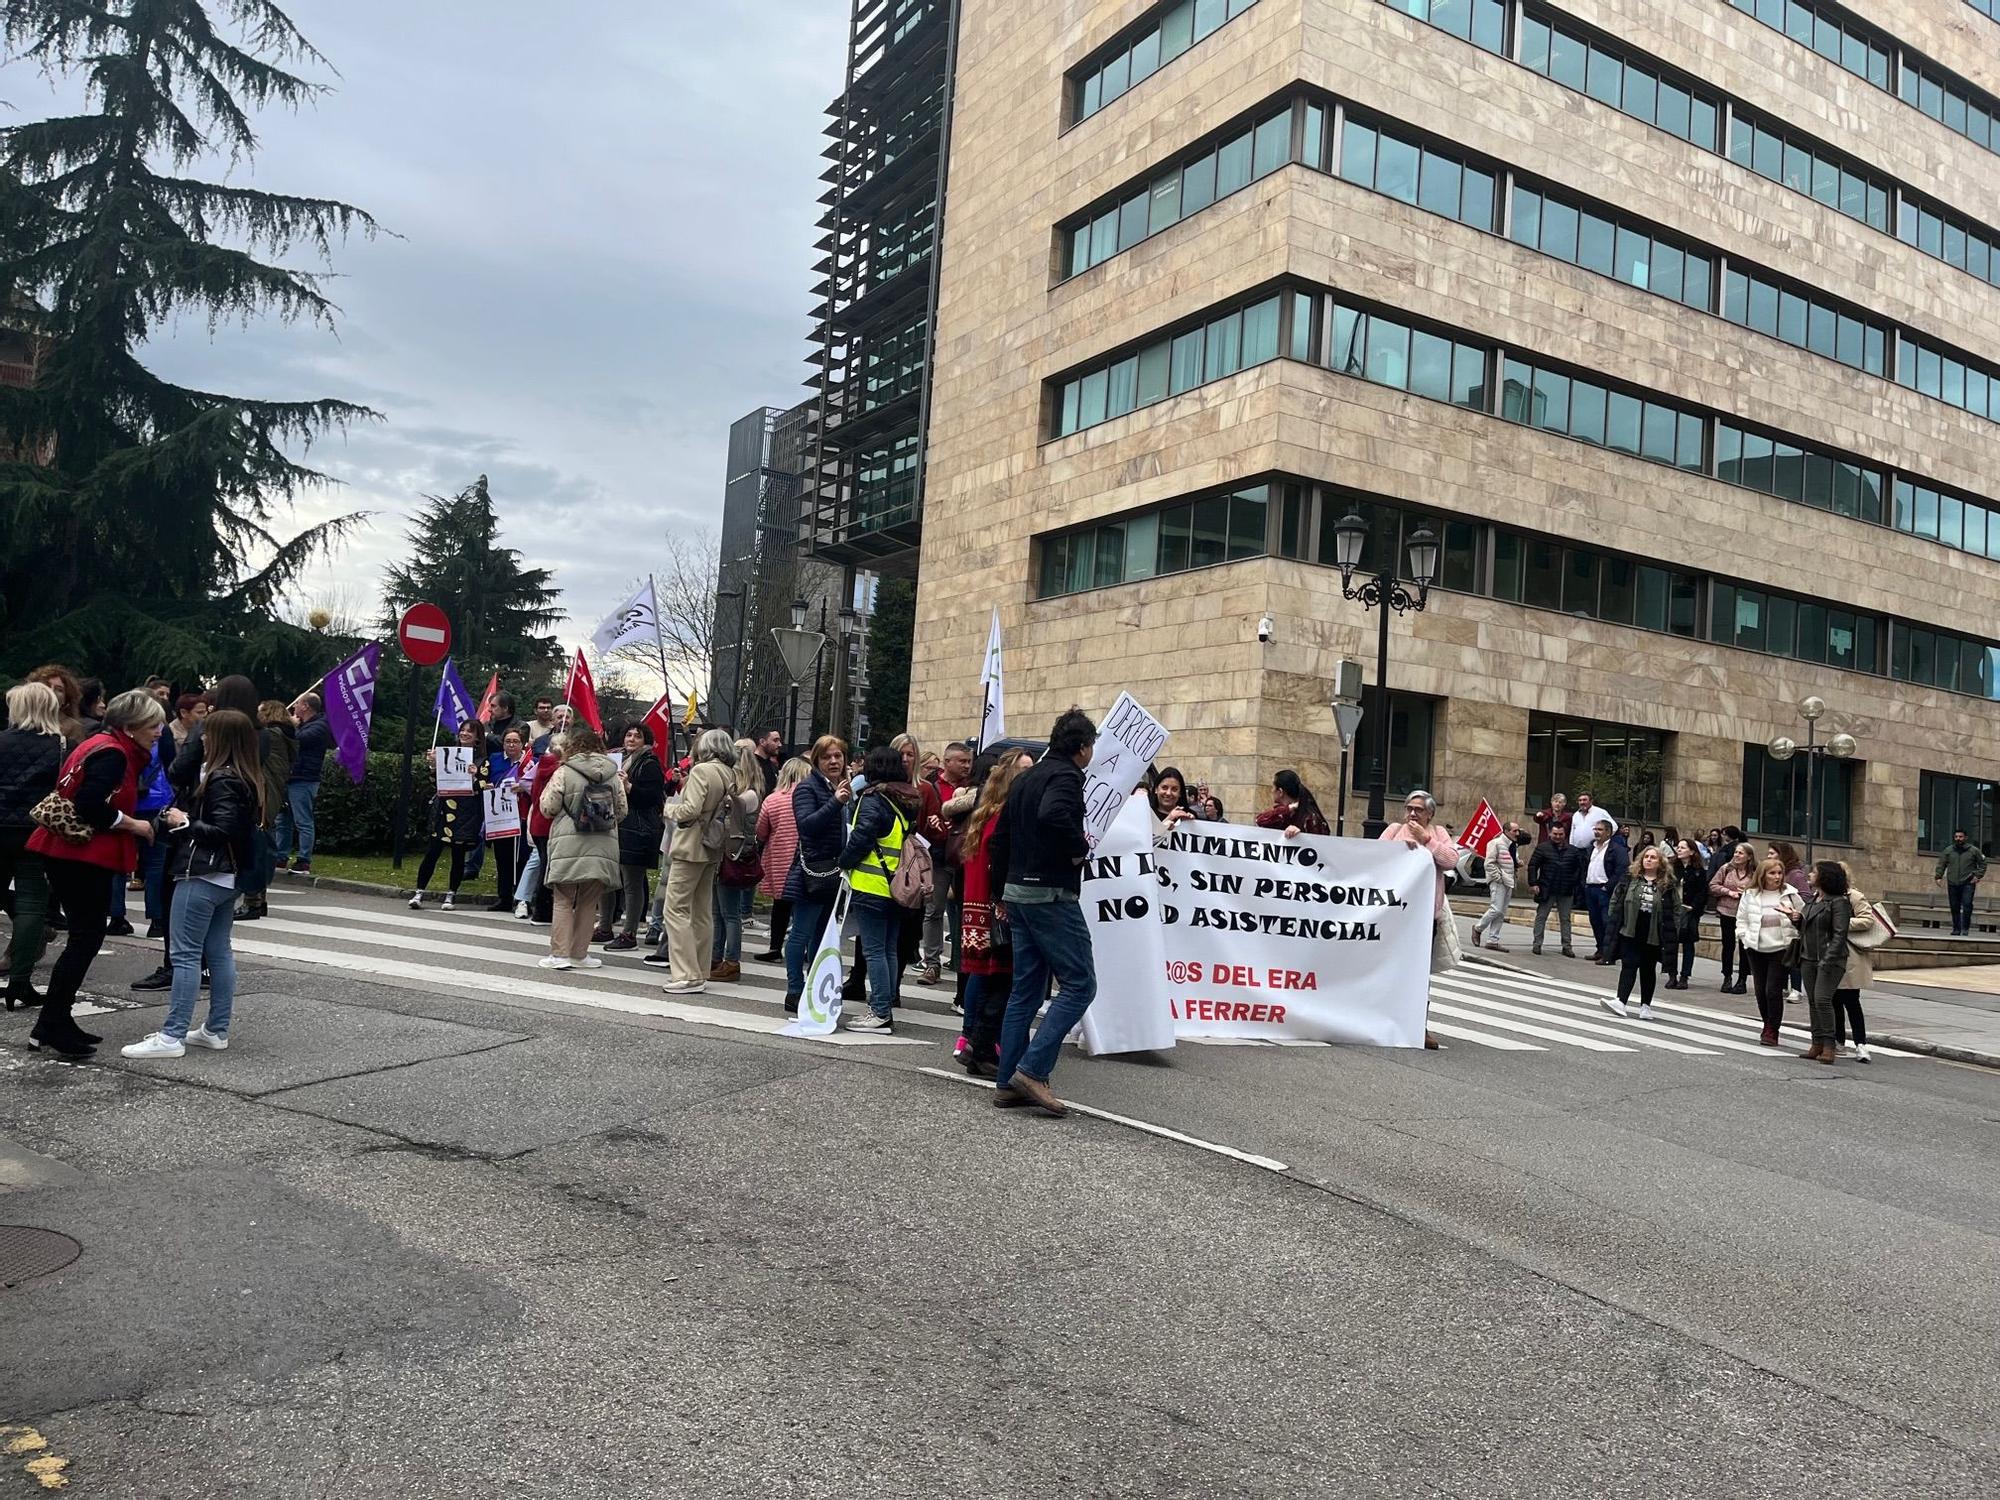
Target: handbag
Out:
[57,812]
[741,874]
[1876,933]
[1445,952]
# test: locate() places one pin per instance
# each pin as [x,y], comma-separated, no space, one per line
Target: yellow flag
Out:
[693,715]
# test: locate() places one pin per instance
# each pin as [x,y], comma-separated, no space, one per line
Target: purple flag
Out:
[350,708]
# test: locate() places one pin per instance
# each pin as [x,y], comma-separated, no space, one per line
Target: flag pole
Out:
[660,641]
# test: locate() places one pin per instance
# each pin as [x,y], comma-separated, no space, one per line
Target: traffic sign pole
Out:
[425,636]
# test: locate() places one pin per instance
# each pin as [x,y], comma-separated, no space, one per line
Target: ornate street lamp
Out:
[1783,747]
[1383,592]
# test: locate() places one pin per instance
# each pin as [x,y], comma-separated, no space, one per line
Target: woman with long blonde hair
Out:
[985,956]
[1767,915]
[31,757]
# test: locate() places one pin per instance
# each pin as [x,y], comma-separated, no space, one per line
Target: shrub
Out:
[360,819]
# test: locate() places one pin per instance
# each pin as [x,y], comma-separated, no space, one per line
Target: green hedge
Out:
[360,819]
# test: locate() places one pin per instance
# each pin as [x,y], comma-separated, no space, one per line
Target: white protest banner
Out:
[454,769]
[1311,939]
[503,811]
[1127,741]
[1121,902]
[819,1006]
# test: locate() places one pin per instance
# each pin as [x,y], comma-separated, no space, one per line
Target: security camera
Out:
[1265,628]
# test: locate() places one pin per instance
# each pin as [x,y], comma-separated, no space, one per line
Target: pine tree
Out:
[130,506]
[498,609]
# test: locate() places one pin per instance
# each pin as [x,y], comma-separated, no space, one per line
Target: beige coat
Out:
[709,785]
[1860,971]
[576,858]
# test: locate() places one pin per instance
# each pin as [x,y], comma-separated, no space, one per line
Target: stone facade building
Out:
[1680,326]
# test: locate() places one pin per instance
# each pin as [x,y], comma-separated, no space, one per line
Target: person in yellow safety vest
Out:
[884,814]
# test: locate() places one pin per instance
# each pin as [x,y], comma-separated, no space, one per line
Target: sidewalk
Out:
[1952,1014]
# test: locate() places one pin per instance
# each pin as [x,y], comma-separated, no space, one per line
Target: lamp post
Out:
[1383,592]
[1840,746]
[819,674]
[848,620]
[798,647]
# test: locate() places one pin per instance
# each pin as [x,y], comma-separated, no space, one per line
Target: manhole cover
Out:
[26,1253]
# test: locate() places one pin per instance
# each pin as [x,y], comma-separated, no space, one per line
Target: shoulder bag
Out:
[57,811]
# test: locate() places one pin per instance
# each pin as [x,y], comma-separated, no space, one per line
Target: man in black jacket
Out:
[1555,872]
[1037,854]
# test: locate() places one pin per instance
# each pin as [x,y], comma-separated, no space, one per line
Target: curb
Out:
[1944,1051]
[334,883]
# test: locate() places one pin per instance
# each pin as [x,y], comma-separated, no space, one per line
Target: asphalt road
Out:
[442,1224]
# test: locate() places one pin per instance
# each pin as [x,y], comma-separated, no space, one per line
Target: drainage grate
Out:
[26,1253]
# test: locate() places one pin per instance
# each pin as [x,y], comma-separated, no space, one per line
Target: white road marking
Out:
[1638,1033]
[1480,1038]
[1269,1164]
[673,1010]
[1546,1033]
[1728,1039]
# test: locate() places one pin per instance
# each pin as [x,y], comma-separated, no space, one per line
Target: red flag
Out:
[581,695]
[1482,830]
[659,722]
[485,713]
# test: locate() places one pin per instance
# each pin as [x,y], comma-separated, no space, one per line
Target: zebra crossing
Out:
[1481,1005]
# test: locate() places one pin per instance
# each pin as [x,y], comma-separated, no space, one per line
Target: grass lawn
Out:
[375,869]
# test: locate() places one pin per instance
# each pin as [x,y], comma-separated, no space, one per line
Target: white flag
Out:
[819,1006]
[635,620]
[992,689]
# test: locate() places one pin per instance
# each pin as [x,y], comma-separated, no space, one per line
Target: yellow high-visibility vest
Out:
[872,876]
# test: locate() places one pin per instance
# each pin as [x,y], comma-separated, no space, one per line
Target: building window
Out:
[1806,320]
[1951,101]
[1602,241]
[1622,766]
[1412,735]
[1198,533]
[1388,351]
[1772,465]
[1834,35]
[1229,341]
[1388,160]
[1232,161]
[1606,73]
[1934,370]
[1141,52]
[1947,805]
[1592,412]
[1774,796]
[1938,658]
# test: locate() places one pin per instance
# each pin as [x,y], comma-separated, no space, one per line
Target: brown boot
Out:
[1829,1054]
[1040,1095]
[1768,1037]
[1812,1053]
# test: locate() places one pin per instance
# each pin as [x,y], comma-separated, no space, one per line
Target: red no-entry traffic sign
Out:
[425,634]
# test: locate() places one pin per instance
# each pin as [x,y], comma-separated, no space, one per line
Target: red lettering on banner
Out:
[1291,979]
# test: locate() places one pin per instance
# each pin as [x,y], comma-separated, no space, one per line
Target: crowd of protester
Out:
[966,859]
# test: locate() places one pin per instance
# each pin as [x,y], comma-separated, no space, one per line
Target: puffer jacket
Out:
[575,857]
[1753,932]
[29,765]
[818,816]
[217,837]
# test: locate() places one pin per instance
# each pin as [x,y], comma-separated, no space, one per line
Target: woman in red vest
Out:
[101,780]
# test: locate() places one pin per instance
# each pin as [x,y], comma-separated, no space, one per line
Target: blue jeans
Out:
[731,907]
[296,817]
[880,922]
[1049,937]
[1597,901]
[153,869]
[808,922]
[530,884]
[204,913]
[1960,897]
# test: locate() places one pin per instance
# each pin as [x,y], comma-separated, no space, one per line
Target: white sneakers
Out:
[416,899]
[159,1044]
[683,987]
[869,1021]
[1645,1012]
[556,961]
[1616,1006]
[587,962]
[521,910]
[1861,1052]
[447,902]
[201,1036]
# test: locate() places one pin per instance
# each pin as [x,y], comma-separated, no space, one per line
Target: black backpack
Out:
[596,810]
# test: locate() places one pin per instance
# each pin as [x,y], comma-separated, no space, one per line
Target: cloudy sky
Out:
[603,218]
